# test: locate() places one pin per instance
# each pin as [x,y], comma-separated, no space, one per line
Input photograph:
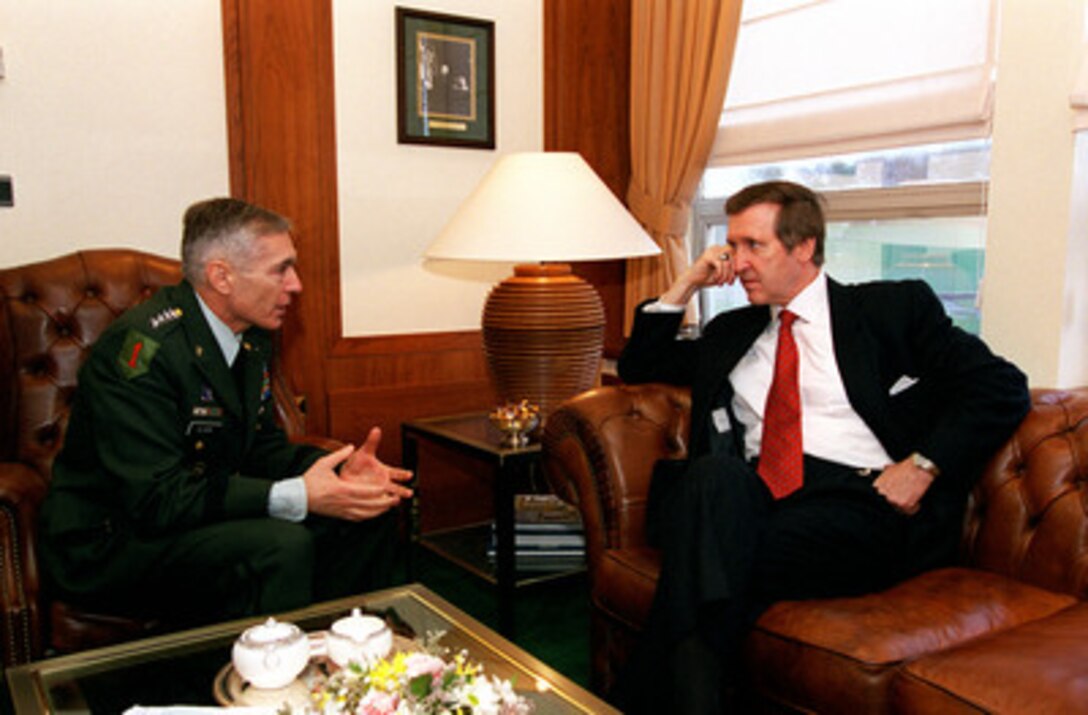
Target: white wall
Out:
[112,121]
[395,198]
[1034,252]
[1073,358]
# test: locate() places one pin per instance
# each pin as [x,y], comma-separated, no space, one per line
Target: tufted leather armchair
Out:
[51,313]
[1005,630]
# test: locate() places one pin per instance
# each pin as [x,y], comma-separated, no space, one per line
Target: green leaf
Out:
[420,686]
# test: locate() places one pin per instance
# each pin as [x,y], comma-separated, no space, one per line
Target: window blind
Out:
[820,77]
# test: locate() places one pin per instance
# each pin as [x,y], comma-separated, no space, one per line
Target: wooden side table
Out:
[473,434]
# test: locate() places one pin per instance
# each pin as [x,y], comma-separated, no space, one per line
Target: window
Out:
[906,213]
[883,107]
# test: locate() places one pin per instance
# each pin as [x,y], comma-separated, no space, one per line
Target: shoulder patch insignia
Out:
[136,354]
[167,315]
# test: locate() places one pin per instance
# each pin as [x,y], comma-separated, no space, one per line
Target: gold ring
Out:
[724,257]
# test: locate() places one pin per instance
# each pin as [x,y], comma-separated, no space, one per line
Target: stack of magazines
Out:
[548,534]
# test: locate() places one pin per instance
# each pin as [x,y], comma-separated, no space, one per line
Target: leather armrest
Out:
[599,452]
[22,490]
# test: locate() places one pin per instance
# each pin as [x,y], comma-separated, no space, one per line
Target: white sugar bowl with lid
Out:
[271,655]
[360,638]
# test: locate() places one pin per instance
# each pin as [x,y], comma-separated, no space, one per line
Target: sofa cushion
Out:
[624,583]
[1038,667]
[840,655]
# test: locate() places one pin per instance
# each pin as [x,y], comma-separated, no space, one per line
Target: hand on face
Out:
[716,266]
[364,488]
[771,272]
[713,268]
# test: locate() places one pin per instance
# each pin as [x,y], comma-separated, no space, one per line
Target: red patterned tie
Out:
[780,462]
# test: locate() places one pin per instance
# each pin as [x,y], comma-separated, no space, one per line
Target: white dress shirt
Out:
[287,497]
[830,428]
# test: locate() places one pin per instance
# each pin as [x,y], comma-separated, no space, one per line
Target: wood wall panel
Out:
[386,381]
[355,410]
[587,57]
[278,60]
[281,119]
[281,122]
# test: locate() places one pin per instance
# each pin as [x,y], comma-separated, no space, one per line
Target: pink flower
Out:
[417,664]
[377,702]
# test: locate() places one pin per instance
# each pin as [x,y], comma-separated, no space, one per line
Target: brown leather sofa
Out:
[1005,630]
[51,313]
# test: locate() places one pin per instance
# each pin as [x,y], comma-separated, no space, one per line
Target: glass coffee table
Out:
[187,667]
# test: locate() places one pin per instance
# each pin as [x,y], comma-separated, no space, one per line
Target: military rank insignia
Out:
[136,354]
[168,315]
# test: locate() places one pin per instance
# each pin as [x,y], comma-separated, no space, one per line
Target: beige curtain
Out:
[681,53]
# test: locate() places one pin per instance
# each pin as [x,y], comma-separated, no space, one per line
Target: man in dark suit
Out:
[836,432]
[176,494]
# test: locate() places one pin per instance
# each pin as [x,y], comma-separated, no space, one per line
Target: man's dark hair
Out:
[801,213]
[224,228]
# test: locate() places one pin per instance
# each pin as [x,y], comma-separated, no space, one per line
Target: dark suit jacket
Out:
[160,441]
[965,403]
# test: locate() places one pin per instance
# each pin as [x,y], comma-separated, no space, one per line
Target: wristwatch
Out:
[922,462]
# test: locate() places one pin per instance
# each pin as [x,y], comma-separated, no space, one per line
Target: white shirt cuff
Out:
[658,307]
[287,500]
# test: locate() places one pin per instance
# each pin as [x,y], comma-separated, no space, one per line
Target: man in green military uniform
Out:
[176,493]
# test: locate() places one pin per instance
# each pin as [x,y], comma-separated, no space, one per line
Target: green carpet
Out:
[551,618]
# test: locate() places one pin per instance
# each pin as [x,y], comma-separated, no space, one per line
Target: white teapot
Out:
[359,638]
[271,655]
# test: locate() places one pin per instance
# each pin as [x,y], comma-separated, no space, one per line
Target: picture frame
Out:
[445,79]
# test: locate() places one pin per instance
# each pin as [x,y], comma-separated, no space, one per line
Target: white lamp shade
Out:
[534,207]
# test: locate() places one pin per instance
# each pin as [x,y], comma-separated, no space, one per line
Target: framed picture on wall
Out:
[445,79]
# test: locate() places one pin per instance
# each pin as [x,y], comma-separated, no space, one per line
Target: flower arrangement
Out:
[426,682]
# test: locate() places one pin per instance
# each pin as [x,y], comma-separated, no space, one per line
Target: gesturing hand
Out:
[364,489]
[363,465]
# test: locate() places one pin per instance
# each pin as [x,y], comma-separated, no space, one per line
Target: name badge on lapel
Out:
[205,419]
[720,418]
[203,426]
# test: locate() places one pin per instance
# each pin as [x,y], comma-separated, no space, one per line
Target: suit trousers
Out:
[730,550]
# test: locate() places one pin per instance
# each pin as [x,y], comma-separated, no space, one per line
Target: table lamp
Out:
[543,328]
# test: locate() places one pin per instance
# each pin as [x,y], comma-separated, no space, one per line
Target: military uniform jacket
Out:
[161,440]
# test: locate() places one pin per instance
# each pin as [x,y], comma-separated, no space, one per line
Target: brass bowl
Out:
[515,420]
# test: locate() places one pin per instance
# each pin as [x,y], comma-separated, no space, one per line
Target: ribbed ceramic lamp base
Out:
[543,334]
